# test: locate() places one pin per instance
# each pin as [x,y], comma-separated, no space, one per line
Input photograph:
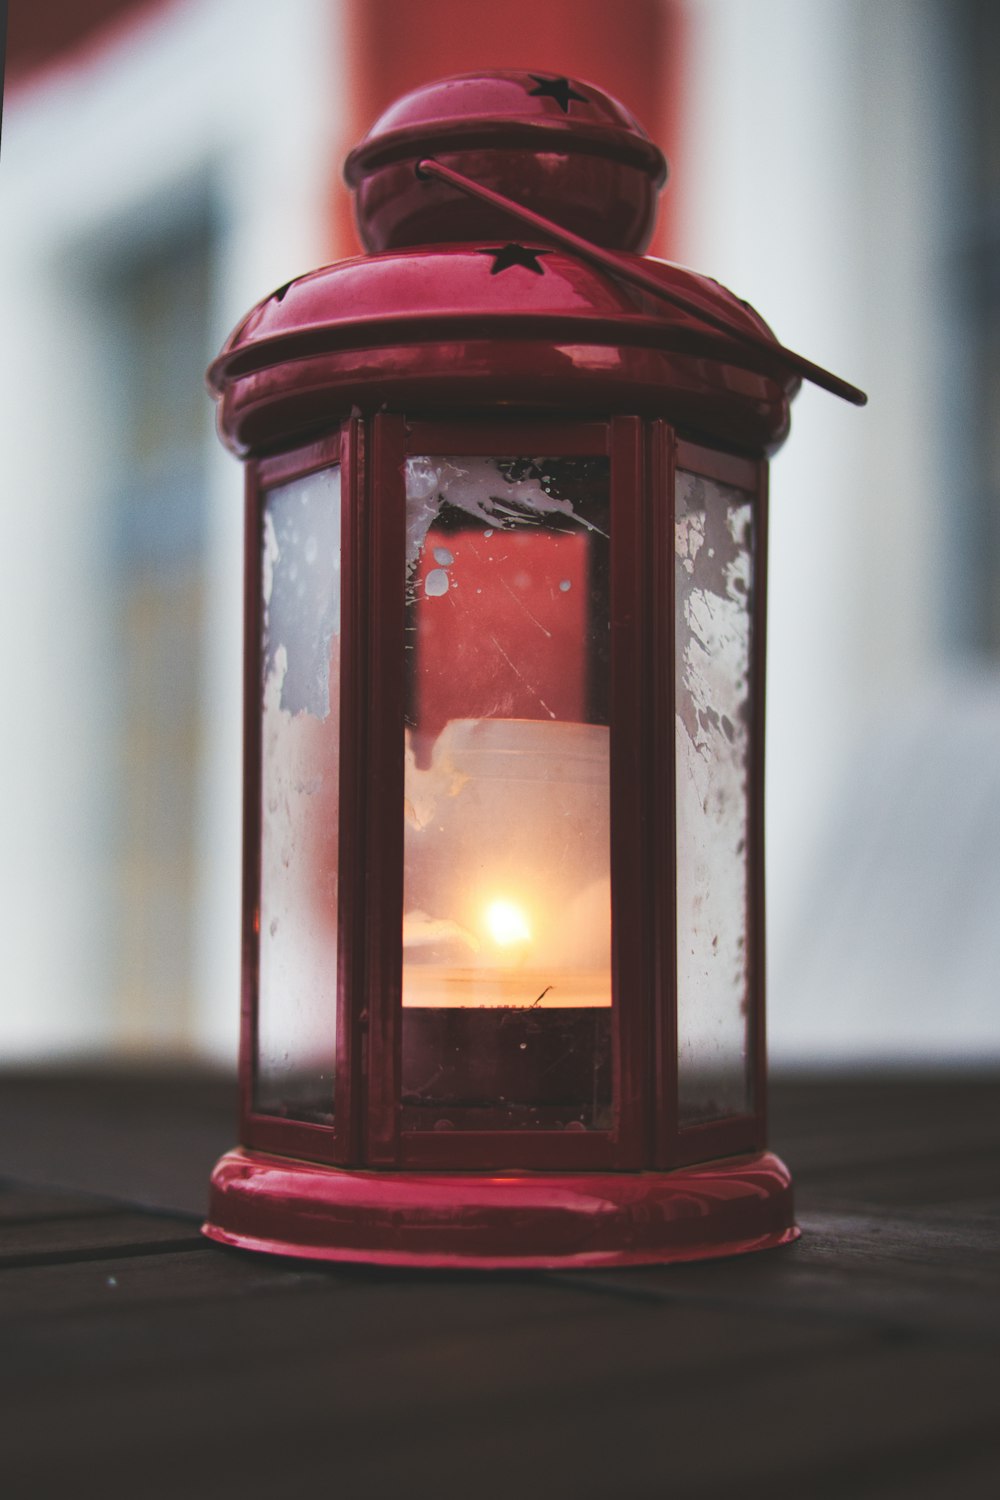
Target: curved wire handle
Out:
[617,265]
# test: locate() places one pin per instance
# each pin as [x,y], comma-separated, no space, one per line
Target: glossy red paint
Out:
[374,332]
[558,147]
[442,349]
[501,1220]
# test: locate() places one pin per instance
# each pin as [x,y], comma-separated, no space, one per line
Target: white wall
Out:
[820,172]
[818,180]
[245,93]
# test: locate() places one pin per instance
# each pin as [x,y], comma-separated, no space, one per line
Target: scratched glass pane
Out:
[300,759]
[713,587]
[507,892]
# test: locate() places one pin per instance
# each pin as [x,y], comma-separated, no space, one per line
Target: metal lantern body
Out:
[506,541]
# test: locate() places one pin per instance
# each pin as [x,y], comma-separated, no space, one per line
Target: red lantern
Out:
[506,542]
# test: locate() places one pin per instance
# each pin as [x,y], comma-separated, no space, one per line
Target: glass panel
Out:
[300,768]
[507,890]
[713,586]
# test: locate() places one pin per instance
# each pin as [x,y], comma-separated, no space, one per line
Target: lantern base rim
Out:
[490,1221]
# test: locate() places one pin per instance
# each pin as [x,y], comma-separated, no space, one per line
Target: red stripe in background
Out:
[47,34]
[631,48]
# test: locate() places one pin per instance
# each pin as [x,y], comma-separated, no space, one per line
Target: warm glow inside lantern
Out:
[506,534]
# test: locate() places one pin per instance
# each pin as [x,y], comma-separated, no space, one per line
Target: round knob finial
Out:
[556,145]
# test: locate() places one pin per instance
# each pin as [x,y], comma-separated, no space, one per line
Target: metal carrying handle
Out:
[625,270]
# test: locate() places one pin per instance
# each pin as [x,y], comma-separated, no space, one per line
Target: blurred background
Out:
[166,163]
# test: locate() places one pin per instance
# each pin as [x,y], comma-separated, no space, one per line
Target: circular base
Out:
[500,1220]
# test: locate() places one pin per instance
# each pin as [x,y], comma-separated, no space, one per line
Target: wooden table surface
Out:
[138,1360]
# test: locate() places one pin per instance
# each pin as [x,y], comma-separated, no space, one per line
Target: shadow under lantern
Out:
[503,947]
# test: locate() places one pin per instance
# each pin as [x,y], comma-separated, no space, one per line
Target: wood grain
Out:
[860,1362]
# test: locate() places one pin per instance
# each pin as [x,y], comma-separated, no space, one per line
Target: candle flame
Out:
[507,924]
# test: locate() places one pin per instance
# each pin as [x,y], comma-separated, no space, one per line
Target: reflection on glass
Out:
[713,586]
[300,759]
[507,906]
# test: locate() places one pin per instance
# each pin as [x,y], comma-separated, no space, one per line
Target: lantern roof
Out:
[500,294]
[517,321]
[556,144]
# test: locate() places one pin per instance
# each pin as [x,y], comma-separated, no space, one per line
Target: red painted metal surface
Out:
[555,145]
[501,1220]
[490,349]
[436,329]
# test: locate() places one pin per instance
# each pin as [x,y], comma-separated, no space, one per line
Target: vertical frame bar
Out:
[630,889]
[353,780]
[250,898]
[380,1020]
[662,795]
[756,836]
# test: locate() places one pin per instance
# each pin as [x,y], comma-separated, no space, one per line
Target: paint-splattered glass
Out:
[713,571]
[300,768]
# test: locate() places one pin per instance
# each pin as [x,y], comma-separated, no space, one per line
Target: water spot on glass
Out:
[522,581]
[111,1281]
[272,929]
[443,556]
[565,585]
[523,1046]
[575,1125]
[488,533]
[444,1125]
[436,583]
[312,548]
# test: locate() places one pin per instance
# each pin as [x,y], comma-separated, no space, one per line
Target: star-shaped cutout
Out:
[559,89]
[505,256]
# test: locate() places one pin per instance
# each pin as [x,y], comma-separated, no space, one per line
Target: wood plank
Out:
[92,1236]
[150,1136]
[25,1205]
[860,1362]
[484,1387]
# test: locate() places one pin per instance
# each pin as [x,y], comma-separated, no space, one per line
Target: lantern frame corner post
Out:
[631,853]
[661,783]
[385,502]
[250,878]
[758,922]
[352,889]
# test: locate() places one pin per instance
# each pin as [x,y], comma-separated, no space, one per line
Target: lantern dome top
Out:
[559,146]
